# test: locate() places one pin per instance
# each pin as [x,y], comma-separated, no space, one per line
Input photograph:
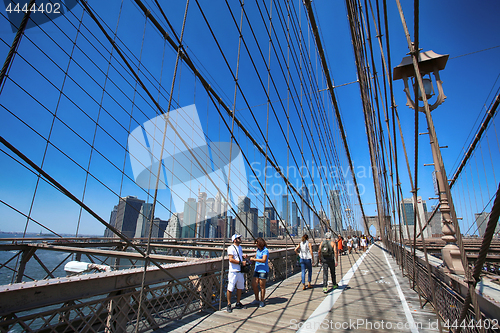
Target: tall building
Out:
[285,209]
[201,212]
[127,214]
[254,220]
[243,204]
[173,229]
[316,224]
[210,206]
[221,227]
[323,221]
[481,222]
[295,218]
[218,203]
[242,221]
[112,222]
[264,226]
[335,211]
[304,209]
[158,229]
[142,228]
[270,212]
[407,212]
[231,222]
[189,225]
[436,223]
[273,228]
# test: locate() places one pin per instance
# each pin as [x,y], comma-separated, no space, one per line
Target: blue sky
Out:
[454,28]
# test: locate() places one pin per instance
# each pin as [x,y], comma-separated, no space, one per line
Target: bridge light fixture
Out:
[428,62]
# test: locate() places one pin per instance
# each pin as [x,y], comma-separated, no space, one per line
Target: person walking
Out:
[355,243]
[328,249]
[363,243]
[235,277]
[349,244]
[261,271]
[304,250]
[340,245]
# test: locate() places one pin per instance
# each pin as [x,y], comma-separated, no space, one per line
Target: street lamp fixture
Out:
[428,62]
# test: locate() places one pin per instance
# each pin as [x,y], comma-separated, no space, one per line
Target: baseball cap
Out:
[328,235]
[234,237]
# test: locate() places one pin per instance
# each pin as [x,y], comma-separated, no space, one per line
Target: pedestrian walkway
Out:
[372,297]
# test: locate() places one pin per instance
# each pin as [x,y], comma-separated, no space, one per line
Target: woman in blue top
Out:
[261,271]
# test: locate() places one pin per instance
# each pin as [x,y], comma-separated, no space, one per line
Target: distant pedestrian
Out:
[349,244]
[340,245]
[305,252]
[355,243]
[261,271]
[328,249]
[235,277]
[363,243]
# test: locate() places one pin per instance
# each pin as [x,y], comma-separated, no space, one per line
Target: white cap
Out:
[328,235]
[234,237]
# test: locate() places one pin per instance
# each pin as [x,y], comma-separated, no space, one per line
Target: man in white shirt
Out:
[235,277]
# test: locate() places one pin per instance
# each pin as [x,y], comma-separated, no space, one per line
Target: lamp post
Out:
[431,62]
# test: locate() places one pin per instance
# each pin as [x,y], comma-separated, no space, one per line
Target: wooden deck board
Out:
[370,301]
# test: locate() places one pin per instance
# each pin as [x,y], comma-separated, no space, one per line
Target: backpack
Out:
[326,249]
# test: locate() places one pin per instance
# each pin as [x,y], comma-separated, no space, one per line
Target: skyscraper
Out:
[210,210]
[112,222]
[295,218]
[285,209]
[335,211]
[323,218]
[407,212]
[217,203]
[242,219]
[243,204]
[304,208]
[254,220]
[201,212]
[127,214]
[264,226]
[270,212]
[188,227]
[142,229]
[173,229]
[481,222]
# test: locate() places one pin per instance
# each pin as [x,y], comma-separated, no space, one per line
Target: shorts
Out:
[235,279]
[260,275]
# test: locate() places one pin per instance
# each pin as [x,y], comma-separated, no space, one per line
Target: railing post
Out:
[118,310]
[25,257]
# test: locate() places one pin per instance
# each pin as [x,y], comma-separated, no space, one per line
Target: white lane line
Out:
[315,320]
[409,317]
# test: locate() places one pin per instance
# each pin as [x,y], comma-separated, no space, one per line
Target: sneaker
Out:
[335,286]
[239,306]
[228,309]
[255,302]
[325,290]
[262,304]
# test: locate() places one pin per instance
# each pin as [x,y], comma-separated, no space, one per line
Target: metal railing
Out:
[450,292]
[109,302]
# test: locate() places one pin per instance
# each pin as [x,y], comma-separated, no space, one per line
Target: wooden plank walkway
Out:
[367,302]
